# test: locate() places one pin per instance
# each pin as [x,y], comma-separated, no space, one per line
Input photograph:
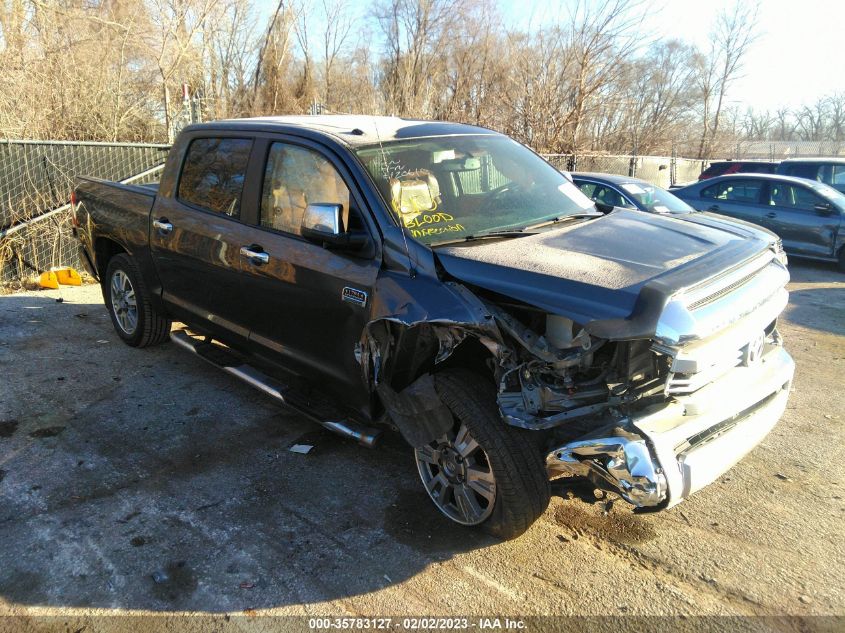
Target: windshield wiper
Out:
[564,218]
[484,236]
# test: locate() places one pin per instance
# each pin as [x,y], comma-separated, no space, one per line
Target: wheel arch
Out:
[104,249]
[400,360]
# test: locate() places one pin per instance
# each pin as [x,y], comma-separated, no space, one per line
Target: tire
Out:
[505,474]
[127,299]
[842,260]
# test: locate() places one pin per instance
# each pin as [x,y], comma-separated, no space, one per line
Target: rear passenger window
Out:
[294,178]
[213,174]
[734,190]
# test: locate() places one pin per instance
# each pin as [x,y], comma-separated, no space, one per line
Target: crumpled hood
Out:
[596,270]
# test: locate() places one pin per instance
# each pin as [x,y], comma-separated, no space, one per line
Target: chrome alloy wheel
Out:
[457,475]
[123,302]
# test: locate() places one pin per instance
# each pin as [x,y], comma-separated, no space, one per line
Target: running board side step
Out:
[230,362]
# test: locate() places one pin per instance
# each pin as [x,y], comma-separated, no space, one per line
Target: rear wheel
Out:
[482,472]
[134,318]
[842,259]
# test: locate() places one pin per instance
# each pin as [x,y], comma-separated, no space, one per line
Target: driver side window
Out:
[294,178]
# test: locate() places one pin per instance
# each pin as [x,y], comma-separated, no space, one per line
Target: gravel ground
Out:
[145,481]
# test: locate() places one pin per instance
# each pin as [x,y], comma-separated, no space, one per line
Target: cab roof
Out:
[353,130]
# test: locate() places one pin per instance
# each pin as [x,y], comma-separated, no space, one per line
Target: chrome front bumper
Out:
[663,454]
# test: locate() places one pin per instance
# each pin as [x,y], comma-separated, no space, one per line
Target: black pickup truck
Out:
[444,281]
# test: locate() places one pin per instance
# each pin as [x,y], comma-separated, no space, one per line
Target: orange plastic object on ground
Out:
[48,280]
[68,276]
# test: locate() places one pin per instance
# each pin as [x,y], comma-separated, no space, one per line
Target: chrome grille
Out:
[701,312]
[721,292]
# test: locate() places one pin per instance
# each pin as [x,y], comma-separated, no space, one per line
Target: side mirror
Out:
[603,207]
[824,208]
[323,224]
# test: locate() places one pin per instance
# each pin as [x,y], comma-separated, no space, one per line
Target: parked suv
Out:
[830,171]
[726,167]
[444,281]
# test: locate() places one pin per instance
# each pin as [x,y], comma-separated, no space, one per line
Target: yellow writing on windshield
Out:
[424,219]
[437,230]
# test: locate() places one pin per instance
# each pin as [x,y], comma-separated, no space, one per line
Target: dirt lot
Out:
[119,465]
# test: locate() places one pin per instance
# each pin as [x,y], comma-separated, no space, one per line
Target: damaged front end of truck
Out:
[651,407]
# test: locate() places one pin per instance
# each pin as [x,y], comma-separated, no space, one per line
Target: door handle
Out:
[771,214]
[163,226]
[713,207]
[255,255]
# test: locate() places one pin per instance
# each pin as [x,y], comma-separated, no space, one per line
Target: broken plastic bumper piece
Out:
[660,456]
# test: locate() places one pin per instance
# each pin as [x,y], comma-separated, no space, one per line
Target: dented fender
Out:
[405,338]
[398,319]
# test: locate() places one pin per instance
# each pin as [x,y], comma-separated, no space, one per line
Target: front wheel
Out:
[482,472]
[135,319]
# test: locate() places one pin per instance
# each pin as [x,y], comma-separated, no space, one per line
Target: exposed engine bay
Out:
[555,372]
[652,420]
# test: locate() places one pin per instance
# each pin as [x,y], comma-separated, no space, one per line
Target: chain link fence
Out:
[779,150]
[36,178]
[47,241]
[663,171]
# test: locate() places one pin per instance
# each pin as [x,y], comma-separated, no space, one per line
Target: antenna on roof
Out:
[412,271]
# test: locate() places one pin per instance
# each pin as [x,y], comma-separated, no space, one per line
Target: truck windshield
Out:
[451,187]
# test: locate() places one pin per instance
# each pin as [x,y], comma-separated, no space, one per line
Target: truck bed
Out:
[115,209]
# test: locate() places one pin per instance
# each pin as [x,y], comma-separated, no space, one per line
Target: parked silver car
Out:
[806,214]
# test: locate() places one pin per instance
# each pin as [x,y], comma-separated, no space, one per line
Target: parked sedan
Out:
[806,214]
[630,193]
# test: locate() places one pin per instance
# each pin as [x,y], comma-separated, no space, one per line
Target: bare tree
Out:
[602,36]
[335,38]
[228,56]
[650,104]
[415,33]
[811,120]
[174,38]
[734,33]
[836,114]
[587,82]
